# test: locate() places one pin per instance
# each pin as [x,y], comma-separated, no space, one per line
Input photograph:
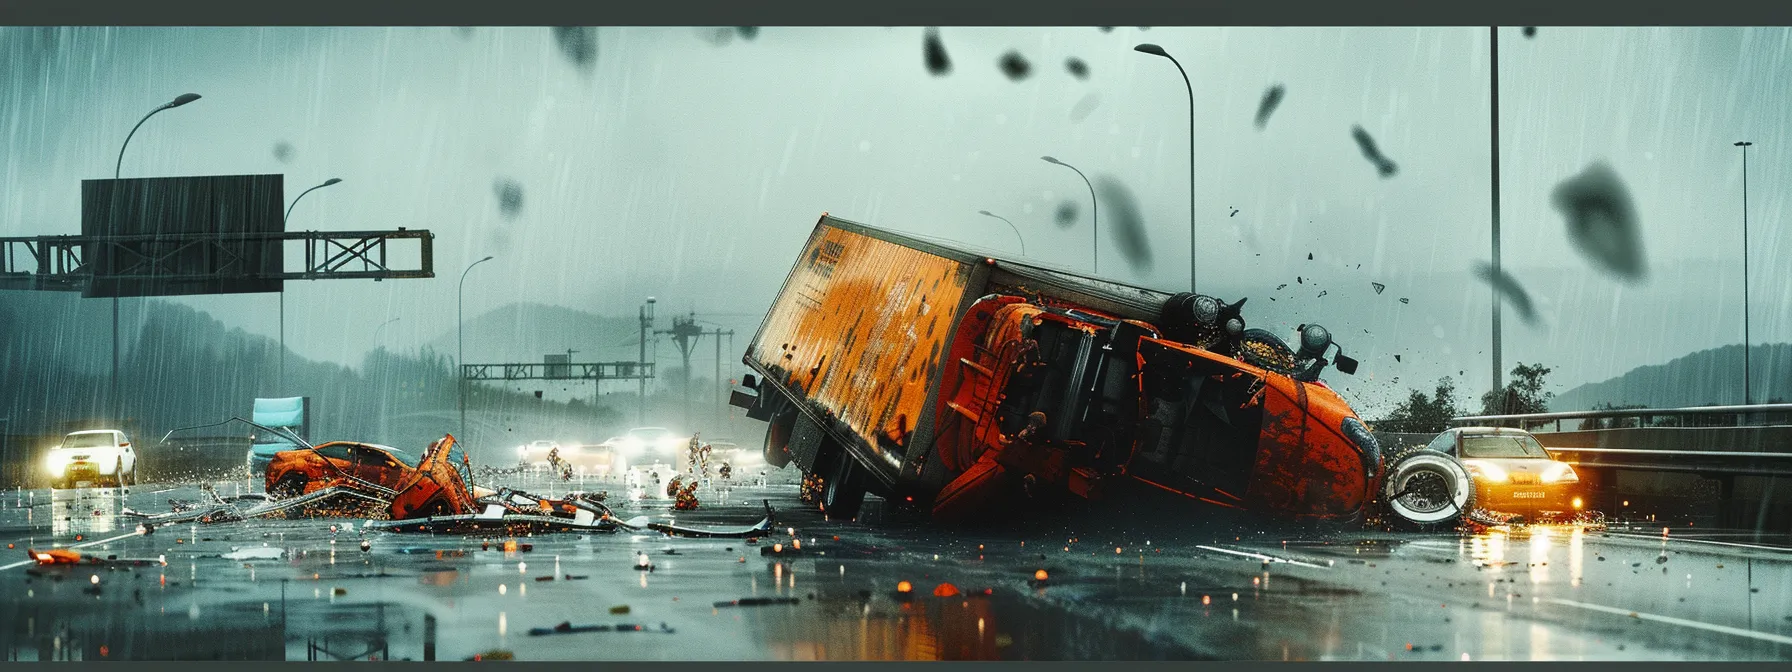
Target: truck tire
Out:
[777,439]
[844,491]
[1426,489]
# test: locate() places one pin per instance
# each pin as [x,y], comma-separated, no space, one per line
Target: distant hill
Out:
[1703,378]
[523,332]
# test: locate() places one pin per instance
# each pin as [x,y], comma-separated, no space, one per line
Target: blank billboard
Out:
[183,235]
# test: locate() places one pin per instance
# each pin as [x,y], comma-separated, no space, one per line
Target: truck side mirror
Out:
[750,382]
[1345,364]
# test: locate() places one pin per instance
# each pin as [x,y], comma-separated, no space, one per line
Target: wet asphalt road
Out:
[1117,588]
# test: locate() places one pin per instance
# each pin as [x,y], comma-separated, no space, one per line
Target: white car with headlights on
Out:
[536,454]
[653,442]
[95,456]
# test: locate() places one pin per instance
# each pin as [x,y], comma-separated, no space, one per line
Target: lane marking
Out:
[1739,632]
[1260,556]
[1671,539]
[84,544]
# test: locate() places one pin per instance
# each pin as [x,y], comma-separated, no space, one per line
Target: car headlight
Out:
[1560,472]
[56,464]
[1486,471]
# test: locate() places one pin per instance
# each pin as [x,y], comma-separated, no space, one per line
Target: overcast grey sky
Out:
[691,171]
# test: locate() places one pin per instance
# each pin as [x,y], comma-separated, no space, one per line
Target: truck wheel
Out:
[777,439]
[844,491]
[1426,489]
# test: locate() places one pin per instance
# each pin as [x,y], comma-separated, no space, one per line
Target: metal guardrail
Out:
[1753,440]
[1738,416]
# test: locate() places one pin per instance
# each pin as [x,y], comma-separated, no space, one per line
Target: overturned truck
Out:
[920,372]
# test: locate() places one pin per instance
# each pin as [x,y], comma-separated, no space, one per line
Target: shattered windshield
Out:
[1502,446]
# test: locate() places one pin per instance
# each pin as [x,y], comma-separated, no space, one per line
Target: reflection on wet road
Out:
[1115,589]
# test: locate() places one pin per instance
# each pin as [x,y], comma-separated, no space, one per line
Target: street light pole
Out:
[385,380]
[1023,241]
[1493,34]
[283,219]
[117,169]
[1155,50]
[646,315]
[376,331]
[1094,212]
[460,328]
[1747,397]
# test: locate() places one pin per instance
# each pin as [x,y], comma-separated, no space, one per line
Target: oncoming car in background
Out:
[1513,473]
[97,456]
[595,459]
[656,442]
[304,470]
[536,453]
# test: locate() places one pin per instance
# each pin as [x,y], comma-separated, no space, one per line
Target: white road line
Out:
[1260,556]
[1739,632]
[1648,537]
[84,544]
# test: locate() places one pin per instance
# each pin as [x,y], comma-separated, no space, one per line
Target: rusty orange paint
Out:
[860,327]
[1304,467]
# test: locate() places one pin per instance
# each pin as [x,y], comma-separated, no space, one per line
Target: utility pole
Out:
[684,333]
[646,325]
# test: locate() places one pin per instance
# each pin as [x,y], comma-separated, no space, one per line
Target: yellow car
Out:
[1513,473]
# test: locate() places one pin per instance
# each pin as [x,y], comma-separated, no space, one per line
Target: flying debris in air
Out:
[1280,286]
[934,51]
[1383,164]
[1015,66]
[578,44]
[1300,280]
[1322,294]
[1084,107]
[747,32]
[1234,213]
[1405,300]
[1067,212]
[1530,31]
[283,151]
[1077,67]
[1508,288]
[1396,358]
[510,197]
[1309,256]
[1271,100]
[1602,221]
[1378,287]
[1126,223]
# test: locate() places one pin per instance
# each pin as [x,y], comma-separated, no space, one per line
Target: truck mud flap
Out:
[806,439]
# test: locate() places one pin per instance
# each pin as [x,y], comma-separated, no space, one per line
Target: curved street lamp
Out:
[460,328]
[1023,241]
[180,100]
[1094,211]
[1155,50]
[283,218]
[177,102]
